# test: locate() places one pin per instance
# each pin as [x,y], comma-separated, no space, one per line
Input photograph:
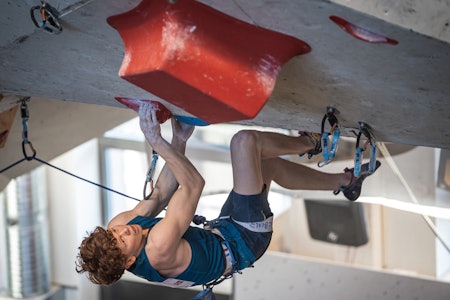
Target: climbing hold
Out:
[214,66]
[191,120]
[361,33]
[162,113]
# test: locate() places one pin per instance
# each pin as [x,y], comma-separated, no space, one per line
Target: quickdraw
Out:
[26,144]
[335,132]
[49,17]
[365,130]
[149,178]
[24,113]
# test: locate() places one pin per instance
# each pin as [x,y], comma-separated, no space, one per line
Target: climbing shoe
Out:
[316,138]
[353,189]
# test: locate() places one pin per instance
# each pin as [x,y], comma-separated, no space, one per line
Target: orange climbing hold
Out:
[211,65]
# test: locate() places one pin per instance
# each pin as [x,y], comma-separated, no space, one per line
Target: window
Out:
[125,160]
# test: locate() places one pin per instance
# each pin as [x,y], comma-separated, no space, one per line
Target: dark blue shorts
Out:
[250,214]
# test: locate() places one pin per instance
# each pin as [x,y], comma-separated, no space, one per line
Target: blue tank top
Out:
[207,261]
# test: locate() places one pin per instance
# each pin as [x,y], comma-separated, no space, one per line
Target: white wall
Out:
[284,276]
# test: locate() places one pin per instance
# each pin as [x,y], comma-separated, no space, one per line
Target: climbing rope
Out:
[412,196]
[29,152]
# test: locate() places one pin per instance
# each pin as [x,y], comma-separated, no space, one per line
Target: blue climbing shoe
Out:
[353,189]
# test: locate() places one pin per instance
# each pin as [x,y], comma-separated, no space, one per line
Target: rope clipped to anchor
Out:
[29,152]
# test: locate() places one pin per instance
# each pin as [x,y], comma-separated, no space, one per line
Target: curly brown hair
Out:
[101,258]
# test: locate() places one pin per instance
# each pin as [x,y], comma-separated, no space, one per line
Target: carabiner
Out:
[149,178]
[24,150]
[48,14]
[25,115]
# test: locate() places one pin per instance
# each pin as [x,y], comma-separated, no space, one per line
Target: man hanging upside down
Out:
[168,249]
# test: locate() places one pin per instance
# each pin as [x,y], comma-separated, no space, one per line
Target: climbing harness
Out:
[231,262]
[29,152]
[149,178]
[365,130]
[329,152]
[49,17]
[211,226]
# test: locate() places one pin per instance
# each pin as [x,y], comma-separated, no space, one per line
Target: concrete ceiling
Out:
[402,91]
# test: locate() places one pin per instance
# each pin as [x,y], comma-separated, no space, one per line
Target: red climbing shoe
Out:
[353,189]
[316,139]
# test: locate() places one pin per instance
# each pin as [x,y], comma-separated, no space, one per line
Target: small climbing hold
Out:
[361,33]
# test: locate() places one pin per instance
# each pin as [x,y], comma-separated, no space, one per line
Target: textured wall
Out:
[279,276]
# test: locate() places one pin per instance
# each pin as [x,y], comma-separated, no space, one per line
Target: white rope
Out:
[74,7]
[413,198]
